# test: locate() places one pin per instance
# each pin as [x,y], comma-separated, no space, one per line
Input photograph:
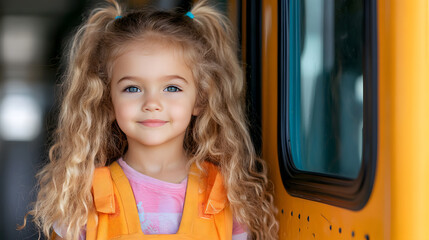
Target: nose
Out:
[151,103]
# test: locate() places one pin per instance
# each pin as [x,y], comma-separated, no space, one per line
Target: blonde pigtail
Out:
[223,123]
[64,199]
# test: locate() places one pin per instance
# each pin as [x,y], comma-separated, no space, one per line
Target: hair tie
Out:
[190,15]
[118,17]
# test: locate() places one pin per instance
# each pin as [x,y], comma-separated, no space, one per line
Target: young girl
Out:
[158,97]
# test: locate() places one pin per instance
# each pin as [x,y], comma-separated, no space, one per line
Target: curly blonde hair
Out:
[87,135]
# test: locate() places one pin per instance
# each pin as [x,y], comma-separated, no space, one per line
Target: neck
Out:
[167,162]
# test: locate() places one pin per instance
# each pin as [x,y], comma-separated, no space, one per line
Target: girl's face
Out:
[153,94]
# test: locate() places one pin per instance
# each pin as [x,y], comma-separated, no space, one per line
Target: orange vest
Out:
[206,214]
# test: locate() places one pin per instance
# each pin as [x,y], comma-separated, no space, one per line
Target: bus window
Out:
[327,94]
[327,85]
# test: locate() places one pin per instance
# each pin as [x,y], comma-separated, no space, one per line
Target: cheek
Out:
[182,109]
[123,111]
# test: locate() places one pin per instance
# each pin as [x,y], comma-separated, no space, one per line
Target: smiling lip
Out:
[153,123]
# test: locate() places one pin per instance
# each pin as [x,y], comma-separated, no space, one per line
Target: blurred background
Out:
[33,35]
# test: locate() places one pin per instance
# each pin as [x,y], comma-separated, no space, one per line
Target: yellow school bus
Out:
[338,107]
[342,87]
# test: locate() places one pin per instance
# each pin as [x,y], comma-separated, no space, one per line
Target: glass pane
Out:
[326,86]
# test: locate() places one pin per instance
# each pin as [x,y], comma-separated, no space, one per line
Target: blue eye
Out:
[132,89]
[172,89]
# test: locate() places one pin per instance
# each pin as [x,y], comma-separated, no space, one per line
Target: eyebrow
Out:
[165,78]
[169,77]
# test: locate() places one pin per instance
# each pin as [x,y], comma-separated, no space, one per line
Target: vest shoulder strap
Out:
[215,194]
[102,190]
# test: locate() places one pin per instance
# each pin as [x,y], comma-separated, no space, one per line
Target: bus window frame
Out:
[338,191]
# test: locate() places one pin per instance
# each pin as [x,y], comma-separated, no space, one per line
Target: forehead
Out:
[147,42]
[150,59]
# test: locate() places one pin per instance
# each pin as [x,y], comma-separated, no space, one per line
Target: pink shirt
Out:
[160,204]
